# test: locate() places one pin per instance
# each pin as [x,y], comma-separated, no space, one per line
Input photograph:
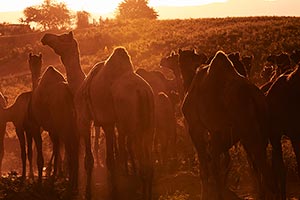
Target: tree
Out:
[83,19]
[135,9]
[48,16]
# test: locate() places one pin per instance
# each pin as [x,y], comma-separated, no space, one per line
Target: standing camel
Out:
[111,95]
[165,121]
[3,104]
[52,109]
[18,114]
[283,98]
[231,109]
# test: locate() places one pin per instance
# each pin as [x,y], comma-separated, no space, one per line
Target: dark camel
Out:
[247,61]
[3,104]
[165,121]
[111,95]
[52,108]
[232,109]
[283,98]
[237,63]
[18,114]
[277,64]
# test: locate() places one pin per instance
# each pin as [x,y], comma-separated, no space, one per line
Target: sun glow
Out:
[97,6]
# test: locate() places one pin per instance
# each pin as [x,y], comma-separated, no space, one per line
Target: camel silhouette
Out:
[231,109]
[52,108]
[111,95]
[165,121]
[283,99]
[17,113]
[3,104]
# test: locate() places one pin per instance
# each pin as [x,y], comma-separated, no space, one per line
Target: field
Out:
[147,42]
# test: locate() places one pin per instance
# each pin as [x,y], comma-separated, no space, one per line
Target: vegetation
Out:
[135,9]
[50,15]
[82,19]
[147,41]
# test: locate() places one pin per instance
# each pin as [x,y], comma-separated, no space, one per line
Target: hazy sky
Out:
[184,9]
[101,6]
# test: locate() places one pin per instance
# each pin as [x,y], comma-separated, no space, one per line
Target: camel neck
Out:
[35,79]
[75,75]
[8,114]
[187,79]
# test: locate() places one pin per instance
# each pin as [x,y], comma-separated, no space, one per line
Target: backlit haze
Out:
[11,10]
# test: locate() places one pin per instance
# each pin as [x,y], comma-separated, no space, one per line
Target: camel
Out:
[237,63]
[111,95]
[247,61]
[231,109]
[171,62]
[52,109]
[276,65]
[283,99]
[3,103]
[165,121]
[18,114]
[165,124]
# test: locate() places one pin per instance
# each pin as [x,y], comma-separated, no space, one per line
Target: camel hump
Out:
[52,75]
[221,67]
[118,63]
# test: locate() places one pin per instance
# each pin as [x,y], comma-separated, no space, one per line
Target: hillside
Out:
[149,41]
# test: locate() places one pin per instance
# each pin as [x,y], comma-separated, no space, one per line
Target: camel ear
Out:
[40,55]
[194,51]
[71,34]
[179,51]
[30,55]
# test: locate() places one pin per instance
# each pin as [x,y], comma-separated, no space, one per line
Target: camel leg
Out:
[279,170]
[56,154]
[96,145]
[29,152]
[258,157]
[2,133]
[21,136]
[109,131]
[131,156]
[123,156]
[296,146]
[201,148]
[39,145]
[89,159]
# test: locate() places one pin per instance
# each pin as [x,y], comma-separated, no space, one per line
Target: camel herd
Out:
[136,111]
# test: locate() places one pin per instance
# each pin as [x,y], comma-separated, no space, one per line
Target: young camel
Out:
[111,95]
[18,114]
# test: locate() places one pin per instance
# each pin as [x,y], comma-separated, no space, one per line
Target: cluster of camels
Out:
[219,103]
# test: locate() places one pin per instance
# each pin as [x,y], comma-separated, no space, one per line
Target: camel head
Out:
[235,58]
[282,61]
[247,61]
[35,63]
[189,61]
[170,61]
[63,44]
[120,60]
